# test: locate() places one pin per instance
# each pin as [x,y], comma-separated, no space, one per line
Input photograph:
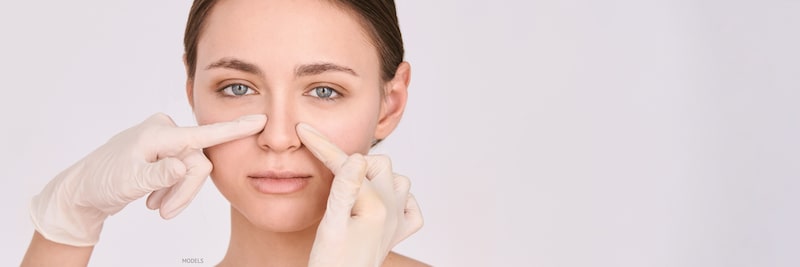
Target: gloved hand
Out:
[154,155]
[370,209]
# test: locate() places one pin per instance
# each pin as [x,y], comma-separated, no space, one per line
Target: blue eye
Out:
[324,92]
[237,89]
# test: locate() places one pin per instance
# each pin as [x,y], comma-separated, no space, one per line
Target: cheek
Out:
[228,157]
[351,135]
[351,127]
[207,112]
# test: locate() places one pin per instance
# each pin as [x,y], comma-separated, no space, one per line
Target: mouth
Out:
[279,182]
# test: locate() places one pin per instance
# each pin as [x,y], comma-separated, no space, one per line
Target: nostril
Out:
[278,135]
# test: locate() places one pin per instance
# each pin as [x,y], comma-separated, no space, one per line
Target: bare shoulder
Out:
[397,260]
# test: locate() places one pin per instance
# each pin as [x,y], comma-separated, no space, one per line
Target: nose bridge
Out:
[279,133]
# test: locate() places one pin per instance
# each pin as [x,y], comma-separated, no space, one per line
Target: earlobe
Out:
[394,101]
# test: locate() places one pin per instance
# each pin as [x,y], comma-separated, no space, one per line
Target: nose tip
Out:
[279,135]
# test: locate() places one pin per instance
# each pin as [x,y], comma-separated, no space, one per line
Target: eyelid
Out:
[336,90]
[227,84]
[341,90]
[334,94]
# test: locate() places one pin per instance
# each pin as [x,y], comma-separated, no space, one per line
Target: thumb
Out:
[160,174]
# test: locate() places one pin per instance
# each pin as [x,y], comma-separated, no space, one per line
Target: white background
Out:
[538,133]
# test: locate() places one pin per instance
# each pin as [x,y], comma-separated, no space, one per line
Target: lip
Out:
[279,182]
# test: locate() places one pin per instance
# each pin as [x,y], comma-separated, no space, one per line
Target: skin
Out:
[279,38]
[43,252]
[279,50]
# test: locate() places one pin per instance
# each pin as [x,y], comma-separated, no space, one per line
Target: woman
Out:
[321,82]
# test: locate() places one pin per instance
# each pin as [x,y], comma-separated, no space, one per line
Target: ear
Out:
[189,84]
[394,101]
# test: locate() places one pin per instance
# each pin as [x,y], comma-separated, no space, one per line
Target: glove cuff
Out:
[58,220]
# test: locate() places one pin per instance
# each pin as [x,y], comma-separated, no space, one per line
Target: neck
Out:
[252,246]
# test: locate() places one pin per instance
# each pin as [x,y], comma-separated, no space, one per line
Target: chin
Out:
[281,215]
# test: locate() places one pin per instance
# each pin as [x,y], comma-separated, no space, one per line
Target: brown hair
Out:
[379,18]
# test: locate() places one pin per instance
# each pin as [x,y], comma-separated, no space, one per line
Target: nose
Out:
[279,134]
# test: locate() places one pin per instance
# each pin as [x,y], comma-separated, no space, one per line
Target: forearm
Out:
[43,252]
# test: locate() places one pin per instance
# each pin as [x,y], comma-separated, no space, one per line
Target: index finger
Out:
[321,147]
[204,136]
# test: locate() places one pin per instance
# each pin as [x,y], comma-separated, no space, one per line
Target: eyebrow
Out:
[236,64]
[317,68]
[302,70]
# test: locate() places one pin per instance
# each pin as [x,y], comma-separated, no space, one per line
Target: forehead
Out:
[280,34]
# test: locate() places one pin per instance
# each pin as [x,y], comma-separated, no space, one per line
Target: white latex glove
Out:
[370,209]
[154,155]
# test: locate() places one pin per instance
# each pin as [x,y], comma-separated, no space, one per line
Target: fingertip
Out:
[155,198]
[303,132]
[254,121]
[254,118]
[179,197]
[169,213]
[307,133]
[302,126]
[166,215]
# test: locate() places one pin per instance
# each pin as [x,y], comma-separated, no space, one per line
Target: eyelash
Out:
[227,91]
[335,94]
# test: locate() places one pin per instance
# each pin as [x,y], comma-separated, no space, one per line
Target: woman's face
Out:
[295,61]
